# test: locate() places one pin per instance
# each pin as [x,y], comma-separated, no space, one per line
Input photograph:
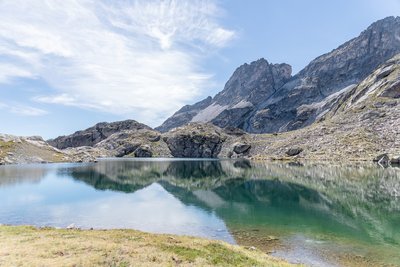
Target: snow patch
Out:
[209,113]
[243,104]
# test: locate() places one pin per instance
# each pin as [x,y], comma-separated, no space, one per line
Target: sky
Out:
[68,64]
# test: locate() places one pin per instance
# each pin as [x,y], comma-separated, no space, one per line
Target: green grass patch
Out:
[188,254]
[222,256]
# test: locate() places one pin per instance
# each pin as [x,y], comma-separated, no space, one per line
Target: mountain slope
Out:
[265,98]
[362,123]
[95,134]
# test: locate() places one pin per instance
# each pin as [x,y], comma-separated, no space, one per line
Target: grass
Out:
[29,246]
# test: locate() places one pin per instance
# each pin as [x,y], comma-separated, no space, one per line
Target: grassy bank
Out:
[29,246]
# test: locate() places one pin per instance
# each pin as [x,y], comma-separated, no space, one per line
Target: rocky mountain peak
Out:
[254,81]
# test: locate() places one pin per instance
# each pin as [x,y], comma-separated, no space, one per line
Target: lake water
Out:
[312,214]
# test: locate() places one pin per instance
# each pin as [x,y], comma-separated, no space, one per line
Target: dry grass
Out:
[5,147]
[29,246]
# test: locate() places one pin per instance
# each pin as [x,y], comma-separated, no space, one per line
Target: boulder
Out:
[144,151]
[294,151]
[241,148]
[382,159]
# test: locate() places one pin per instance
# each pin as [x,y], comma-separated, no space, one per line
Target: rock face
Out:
[95,134]
[264,98]
[195,141]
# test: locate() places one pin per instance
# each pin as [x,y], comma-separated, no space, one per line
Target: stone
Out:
[382,159]
[144,151]
[241,148]
[294,151]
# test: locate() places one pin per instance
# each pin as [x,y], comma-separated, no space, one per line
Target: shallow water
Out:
[313,214]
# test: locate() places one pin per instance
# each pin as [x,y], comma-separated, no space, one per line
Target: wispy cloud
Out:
[138,57]
[22,110]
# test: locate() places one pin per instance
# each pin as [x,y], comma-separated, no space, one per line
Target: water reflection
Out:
[357,207]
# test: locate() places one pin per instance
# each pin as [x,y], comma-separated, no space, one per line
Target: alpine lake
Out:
[314,214]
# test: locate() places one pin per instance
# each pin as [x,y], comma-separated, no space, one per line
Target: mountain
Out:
[361,123]
[95,134]
[264,98]
[33,149]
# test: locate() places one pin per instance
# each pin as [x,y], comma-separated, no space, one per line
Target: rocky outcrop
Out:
[195,140]
[95,134]
[264,98]
[135,143]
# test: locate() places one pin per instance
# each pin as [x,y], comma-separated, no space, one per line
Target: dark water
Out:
[317,215]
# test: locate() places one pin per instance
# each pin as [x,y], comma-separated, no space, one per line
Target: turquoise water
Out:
[313,214]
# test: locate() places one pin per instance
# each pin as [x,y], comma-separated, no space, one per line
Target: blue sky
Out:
[68,64]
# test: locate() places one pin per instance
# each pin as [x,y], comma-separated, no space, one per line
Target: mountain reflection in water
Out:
[235,201]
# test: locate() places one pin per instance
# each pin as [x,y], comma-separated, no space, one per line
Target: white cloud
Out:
[137,57]
[23,110]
